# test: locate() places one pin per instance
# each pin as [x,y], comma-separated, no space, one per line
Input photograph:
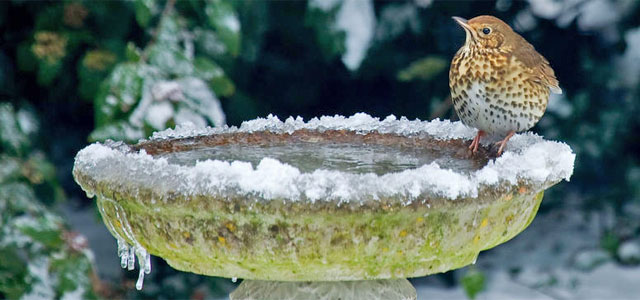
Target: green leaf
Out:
[610,242]
[119,93]
[223,86]
[73,272]
[206,68]
[132,53]
[170,60]
[42,175]
[10,170]
[209,43]
[92,70]
[423,69]
[169,32]
[473,282]
[145,10]
[213,73]
[200,99]
[17,198]
[223,18]
[44,229]
[13,272]
[12,139]
[48,71]
[331,40]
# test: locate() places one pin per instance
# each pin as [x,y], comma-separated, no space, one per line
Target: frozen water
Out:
[528,157]
[360,122]
[126,252]
[307,157]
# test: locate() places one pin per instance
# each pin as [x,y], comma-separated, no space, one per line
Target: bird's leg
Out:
[476,142]
[503,143]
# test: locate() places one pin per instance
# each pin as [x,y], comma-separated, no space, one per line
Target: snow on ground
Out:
[557,257]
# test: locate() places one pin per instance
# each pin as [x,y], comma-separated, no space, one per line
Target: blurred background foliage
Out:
[72,72]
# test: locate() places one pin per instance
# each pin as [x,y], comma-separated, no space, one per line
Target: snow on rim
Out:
[528,157]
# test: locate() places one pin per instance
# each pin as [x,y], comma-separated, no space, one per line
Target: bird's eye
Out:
[486,30]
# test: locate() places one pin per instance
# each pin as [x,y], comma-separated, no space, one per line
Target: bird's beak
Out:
[462,22]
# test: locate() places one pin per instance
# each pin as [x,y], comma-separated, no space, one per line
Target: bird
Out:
[499,83]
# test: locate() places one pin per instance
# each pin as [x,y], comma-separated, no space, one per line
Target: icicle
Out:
[147,264]
[123,260]
[132,259]
[140,279]
[128,253]
[123,253]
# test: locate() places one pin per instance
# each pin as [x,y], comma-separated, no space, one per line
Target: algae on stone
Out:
[283,219]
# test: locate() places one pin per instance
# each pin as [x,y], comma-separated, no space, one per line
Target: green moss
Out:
[273,240]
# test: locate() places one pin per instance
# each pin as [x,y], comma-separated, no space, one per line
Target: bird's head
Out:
[485,31]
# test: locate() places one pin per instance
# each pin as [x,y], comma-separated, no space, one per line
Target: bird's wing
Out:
[541,71]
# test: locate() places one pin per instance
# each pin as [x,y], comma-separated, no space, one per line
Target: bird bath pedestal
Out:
[348,207]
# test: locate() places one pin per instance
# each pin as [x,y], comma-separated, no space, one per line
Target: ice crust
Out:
[528,158]
[360,122]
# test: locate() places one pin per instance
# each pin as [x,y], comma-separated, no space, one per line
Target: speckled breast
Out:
[494,92]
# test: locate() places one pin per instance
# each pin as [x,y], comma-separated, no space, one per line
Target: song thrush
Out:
[499,83]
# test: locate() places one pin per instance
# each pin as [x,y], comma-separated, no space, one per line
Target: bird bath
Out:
[332,205]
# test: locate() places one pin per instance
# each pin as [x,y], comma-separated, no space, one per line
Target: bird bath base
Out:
[334,199]
[387,289]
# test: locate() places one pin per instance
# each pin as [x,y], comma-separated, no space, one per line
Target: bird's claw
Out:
[476,142]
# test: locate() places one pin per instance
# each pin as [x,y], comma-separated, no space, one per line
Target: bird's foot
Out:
[476,142]
[503,143]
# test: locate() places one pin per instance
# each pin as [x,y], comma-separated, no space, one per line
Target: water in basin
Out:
[307,157]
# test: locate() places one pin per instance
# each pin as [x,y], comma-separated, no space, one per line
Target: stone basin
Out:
[331,199]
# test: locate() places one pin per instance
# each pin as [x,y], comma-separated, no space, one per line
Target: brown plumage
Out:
[499,83]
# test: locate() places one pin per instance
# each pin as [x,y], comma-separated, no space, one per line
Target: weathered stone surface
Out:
[248,236]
